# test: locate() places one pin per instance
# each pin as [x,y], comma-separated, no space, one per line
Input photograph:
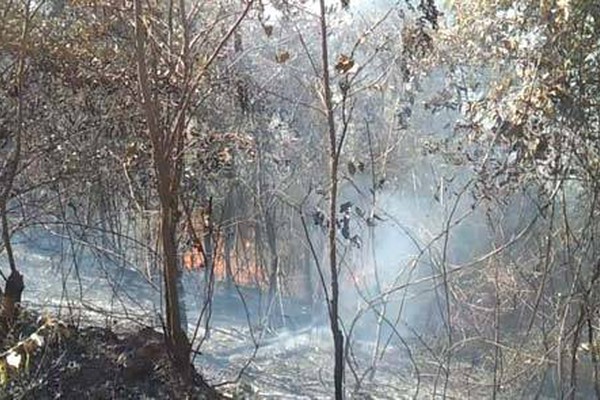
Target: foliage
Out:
[238,120]
[526,73]
[16,361]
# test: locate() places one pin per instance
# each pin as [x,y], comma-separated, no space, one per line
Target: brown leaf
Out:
[282,57]
[344,64]
[268,29]
[351,168]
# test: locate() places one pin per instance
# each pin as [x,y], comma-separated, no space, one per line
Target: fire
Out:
[237,263]
[193,259]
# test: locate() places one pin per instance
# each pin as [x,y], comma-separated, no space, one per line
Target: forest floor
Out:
[298,365]
[106,354]
[129,361]
[93,362]
[44,358]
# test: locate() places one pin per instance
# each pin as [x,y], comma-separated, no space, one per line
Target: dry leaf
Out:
[344,64]
[13,359]
[268,29]
[282,57]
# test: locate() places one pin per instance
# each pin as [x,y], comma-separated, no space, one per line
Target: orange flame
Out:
[242,268]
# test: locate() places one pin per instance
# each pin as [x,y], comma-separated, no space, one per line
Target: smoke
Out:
[411,215]
[390,283]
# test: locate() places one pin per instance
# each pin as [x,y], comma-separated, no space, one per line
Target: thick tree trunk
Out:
[209,264]
[176,335]
[11,299]
[228,238]
[227,247]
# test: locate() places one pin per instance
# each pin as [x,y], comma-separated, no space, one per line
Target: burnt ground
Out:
[107,355]
[130,362]
[298,364]
[92,363]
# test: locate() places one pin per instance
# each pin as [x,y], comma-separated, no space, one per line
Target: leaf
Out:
[377,217]
[345,207]
[224,156]
[268,29]
[282,57]
[29,345]
[565,7]
[14,359]
[4,377]
[344,64]
[351,168]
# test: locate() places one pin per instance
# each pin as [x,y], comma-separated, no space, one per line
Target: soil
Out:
[94,363]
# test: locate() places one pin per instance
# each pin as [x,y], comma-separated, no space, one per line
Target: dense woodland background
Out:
[419,176]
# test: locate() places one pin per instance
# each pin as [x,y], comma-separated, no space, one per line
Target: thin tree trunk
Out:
[14,284]
[338,338]
[274,262]
[209,264]
[228,237]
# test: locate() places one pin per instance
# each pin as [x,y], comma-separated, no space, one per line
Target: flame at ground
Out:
[237,264]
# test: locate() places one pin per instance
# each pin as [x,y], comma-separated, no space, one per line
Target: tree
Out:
[525,74]
[88,65]
[335,146]
[327,108]
[536,100]
[12,147]
[167,127]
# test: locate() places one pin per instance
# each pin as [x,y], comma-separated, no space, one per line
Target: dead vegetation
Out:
[89,362]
